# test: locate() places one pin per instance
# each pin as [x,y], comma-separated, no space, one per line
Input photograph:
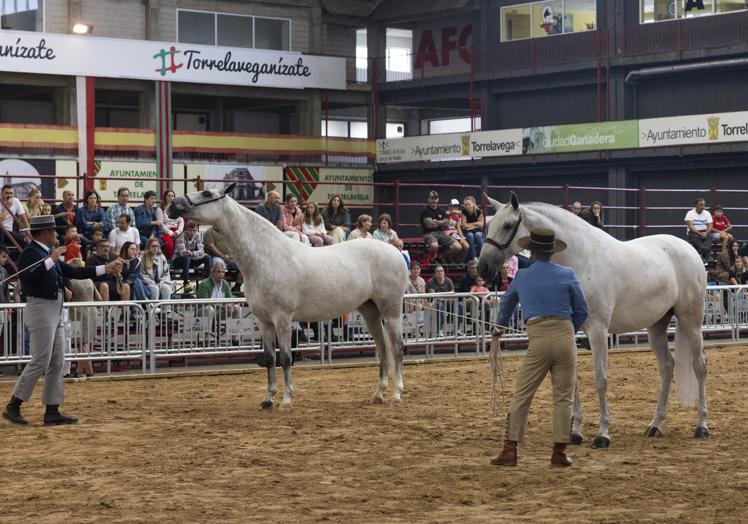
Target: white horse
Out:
[630,285]
[285,281]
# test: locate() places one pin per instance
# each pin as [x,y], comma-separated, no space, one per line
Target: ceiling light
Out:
[82,29]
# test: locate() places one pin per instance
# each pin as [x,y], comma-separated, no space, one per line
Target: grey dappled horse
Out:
[630,285]
[286,281]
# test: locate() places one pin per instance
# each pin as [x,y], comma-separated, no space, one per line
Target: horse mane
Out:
[558,214]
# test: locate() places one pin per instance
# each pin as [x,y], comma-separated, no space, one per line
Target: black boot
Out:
[13,411]
[53,417]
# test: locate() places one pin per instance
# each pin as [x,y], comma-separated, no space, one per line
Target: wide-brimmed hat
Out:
[40,223]
[542,240]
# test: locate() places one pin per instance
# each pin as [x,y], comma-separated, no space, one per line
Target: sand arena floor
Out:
[200,449]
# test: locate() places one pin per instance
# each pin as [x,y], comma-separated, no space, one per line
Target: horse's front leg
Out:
[576,420]
[283,334]
[599,345]
[268,345]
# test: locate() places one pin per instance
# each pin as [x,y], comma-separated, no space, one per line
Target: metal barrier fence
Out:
[446,323]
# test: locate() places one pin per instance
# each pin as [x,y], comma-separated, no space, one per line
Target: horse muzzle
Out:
[179,208]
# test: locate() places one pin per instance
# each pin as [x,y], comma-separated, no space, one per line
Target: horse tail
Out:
[686,383]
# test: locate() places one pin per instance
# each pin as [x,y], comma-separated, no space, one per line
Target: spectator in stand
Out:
[46,209]
[337,219]
[133,272]
[576,207]
[454,228]
[404,252]
[473,223]
[67,214]
[270,210]
[440,283]
[84,290]
[190,253]
[171,228]
[739,273]
[593,215]
[467,281]
[513,264]
[313,226]
[121,207]
[384,232]
[503,279]
[721,224]
[123,233]
[417,284]
[96,236]
[156,271]
[216,245]
[11,207]
[34,203]
[92,214]
[480,286]
[291,219]
[146,219]
[72,242]
[216,287]
[363,224]
[432,221]
[4,257]
[110,286]
[699,232]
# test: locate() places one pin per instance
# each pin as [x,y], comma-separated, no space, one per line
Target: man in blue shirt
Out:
[554,309]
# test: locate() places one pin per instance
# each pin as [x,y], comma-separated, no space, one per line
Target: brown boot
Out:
[508,455]
[559,458]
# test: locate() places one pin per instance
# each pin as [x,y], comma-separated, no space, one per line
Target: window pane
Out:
[337,128]
[395,130]
[515,22]
[196,28]
[449,125]
[21,15]
[271,33]
[359,130]
[234,31]
[546,19]
[724,6]
[695,11]
[659,10]
[579,15]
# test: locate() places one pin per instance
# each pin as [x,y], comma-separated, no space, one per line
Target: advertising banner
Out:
[597,136]
[694,129]
[138,177]
[319,184]
[25,173]
[454,146]
[251,186]
[70,55]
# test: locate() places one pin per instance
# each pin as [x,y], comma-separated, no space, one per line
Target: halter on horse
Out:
[285,281]
[628,286]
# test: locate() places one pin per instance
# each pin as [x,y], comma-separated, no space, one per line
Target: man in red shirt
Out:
[721,223]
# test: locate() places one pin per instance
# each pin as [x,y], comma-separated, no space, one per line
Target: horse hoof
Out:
[266,404]
[286,404]
[601,442]
[396,403]
[377,399]
[576,439]
[702,433]
[653,431]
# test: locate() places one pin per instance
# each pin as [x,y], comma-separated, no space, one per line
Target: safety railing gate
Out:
[446,323]
[100,331]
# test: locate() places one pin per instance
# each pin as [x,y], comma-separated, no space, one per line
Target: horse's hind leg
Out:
[576,418]
[373,319]
[283,334]
[268,344]
[665,363]
[393,330]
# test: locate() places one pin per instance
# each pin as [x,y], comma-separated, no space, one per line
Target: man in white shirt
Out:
[12,206]
[699,232]
[123,233]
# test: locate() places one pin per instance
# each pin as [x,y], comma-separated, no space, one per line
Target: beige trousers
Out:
[551,348]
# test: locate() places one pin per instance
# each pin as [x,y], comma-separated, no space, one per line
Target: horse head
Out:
[501,237]
[200,206]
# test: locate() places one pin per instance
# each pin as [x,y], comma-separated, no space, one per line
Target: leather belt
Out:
[542,318]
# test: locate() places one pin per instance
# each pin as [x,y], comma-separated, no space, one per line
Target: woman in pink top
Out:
[313,226]
[291,219]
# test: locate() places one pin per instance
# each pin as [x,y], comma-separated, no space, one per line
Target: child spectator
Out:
[480,286]
[453,227]
[720,223]
[313,226]
[72,242]
[97,235]
[385,233]
[363,224]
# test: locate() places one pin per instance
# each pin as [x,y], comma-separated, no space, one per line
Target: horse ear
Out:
[514,200]
[495,203]
[228,189]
